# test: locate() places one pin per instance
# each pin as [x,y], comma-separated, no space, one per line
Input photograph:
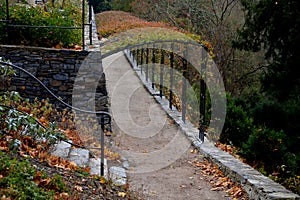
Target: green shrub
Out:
[282,116]
[37,16]
[265,147]
[269,113]
[238,123]
[2,24]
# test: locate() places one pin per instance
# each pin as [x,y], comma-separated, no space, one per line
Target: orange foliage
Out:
[112,22]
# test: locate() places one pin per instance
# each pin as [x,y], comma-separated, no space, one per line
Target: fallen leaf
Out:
[216,189]
[121,194]
[107,133]
[102,180]
[78,188]
[5,198]
[194,151]
[64,195]
[3,148]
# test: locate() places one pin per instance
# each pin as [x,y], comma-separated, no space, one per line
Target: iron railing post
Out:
[7,10]
[183,97]
[142,59]
[137,56]
[153,66]
[147,62]
[161,72]
[202,96]
[90,23]
[83,24]
[171,79]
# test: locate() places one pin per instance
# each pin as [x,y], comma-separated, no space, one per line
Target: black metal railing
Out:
[147,55]
[104,117]
[7,21]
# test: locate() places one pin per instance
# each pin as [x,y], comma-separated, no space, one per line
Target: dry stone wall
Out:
[57,69]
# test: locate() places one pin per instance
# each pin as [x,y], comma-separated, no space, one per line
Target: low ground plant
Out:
[18,180]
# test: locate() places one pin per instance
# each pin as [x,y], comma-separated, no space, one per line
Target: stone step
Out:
[61,149]
[118,175]
[79,156]
[82,158]
[95,166]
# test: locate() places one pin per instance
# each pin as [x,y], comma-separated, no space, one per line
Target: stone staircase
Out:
[83,158]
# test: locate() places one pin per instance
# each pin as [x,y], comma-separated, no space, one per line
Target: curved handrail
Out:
[52,94]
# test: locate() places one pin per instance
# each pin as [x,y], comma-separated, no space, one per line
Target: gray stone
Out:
[69,66]
[60,77]
[126,164]
[61,149]
[118,175]
[55,83]
[281,196]
[79,156]
[95,165]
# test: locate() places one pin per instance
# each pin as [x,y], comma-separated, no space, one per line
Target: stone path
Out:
[156,153]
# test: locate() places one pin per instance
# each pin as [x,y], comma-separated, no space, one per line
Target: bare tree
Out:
[216,21]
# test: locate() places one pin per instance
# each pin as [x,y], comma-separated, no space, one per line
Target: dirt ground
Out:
[179,180]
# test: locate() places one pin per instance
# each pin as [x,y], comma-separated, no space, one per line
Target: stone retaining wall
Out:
[57,69]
